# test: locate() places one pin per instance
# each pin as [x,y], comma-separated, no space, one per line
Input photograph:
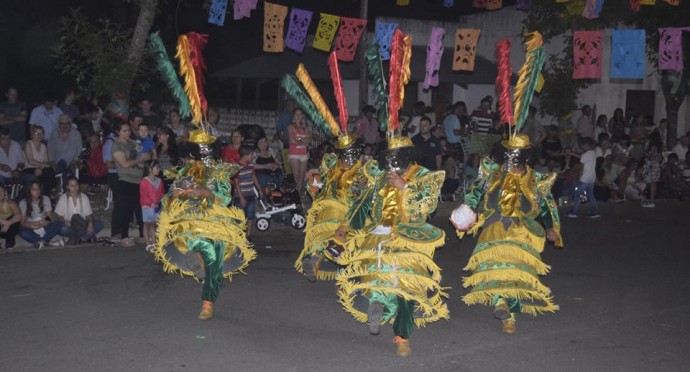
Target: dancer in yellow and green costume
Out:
[341,204]
[507,201]
[199,234]
[391,275]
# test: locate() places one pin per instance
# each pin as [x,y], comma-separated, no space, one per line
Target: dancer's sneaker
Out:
[206,310]
[571,215]
[403,345]
[501,311]
[374,314]
[509,325]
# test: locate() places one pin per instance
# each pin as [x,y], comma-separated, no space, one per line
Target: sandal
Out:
[127,242]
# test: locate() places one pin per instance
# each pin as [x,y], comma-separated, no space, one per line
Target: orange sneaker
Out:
[206,310]
[404,348]
[509,325]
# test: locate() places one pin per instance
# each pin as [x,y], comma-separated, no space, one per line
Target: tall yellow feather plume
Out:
[187,71]
[305,79]
[528,80]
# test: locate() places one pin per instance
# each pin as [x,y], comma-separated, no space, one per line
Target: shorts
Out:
[149,214]
[249,209]
[298,157]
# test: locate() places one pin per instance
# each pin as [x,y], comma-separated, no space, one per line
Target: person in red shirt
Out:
[231,152]
[150,194]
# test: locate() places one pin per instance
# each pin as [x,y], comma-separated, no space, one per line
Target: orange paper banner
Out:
[465,48]
[274,21]
[494,4]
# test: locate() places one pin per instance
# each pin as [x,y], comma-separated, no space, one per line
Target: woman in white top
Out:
[74,208]
[37,162]
[36,225]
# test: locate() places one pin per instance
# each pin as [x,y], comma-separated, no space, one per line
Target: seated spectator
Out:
[267,166]
[673,183]
[74,210]
[37,227]
[471,170]
[68,107]
[603,149]
[630,182]
[64,147]
[46,116]
[623,146]
[145,145]
[37,164]
[551,146]
[230,152]
[93,168]
[613,172]
[10,215]
[447,157]
[11,160]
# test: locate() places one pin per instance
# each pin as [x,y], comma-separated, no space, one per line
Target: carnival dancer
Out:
[335,208]
[390,274]
[506,200]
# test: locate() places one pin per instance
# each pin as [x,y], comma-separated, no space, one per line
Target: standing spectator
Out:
[584,192]
[74,210]
[298,140]
[118,108]
[175,123]
[150,195]
[456,126]
[37,163]
[68,107]
[46,116]
[231,151]
[585,126]
[651,173]
[533,127]
[483,118]
[10,215]
[284,119]
[639,136]
[135,119]
[601,127]
[213,120]
[617,125]
[87,122]
[166,149]
[107,151]
[428,145]
[417,114]
[150,117]
[11,159]
[267,165]
[126,193]
[245,183]
[366,127]
[13,114]
[64,146]
[36,225]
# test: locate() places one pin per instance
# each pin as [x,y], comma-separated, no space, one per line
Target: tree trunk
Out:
[147,13]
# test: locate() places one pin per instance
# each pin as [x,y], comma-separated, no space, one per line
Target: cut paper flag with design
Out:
[383,37]
[635,5]
[216,14]
[479,4]
[628,57]
[325,32]
[349,33]
[465,48]
[648,2]
[587,50]
[592,8]
[402,2]
[448,3]
[670,49]
[434,52]
[274,21]
[494,4]
[297,30]
[522,5]
[673,2]
[243,8]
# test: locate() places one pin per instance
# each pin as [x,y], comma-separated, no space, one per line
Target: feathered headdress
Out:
[168,73]
[524,90]
[375,69]
[307,96]
[401,54]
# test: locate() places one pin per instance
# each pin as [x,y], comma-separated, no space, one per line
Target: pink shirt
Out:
[368,130]
[150,192]
[296,149]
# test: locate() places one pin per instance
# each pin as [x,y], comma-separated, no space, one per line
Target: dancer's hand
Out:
[551,235]
[395,180]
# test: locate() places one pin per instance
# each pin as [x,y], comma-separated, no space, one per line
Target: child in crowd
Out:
[145,144]
[246,186]
[150,194]
[584,191]
[651,173]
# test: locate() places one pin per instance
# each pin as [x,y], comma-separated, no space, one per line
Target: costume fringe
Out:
[506,275]
[507,253]
[486,297]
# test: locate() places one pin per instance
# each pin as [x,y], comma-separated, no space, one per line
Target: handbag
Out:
[78,224]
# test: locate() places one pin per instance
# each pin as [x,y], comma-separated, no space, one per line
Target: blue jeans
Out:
[52,229]
[587,189]
[97,227]
[249,208]
[274,178]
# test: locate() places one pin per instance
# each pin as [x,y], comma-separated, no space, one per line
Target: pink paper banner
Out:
[587,48]
[434,52]
[671,49]
[297,31]
[349,33]
[635,5]
[243,8]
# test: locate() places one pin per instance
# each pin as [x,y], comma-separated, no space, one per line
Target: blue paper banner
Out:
[628,55]
[383,37]
[216,15]
[297,31]
[448,3]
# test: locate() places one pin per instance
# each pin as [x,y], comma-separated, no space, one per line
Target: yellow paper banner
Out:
[325,32]
[648,2]
[465,48]
[274,21]
[402,2]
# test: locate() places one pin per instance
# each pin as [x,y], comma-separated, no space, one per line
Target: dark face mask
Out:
[350,155]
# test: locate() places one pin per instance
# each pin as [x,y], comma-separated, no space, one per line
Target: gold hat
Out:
[344,141]
[399,142]
[201,137]
[517,142]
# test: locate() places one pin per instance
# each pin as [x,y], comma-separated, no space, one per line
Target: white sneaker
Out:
[648,205]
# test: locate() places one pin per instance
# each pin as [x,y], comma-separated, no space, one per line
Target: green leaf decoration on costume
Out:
[375,69]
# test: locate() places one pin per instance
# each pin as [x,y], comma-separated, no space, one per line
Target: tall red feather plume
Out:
[338,91]
[197,42]
[504,72]
[396,72]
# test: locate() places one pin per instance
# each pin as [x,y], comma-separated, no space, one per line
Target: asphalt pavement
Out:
[622,283]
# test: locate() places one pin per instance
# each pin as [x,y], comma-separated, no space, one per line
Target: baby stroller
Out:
[283,204]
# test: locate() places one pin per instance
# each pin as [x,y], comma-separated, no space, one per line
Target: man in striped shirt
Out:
[483,118]
[245,181]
